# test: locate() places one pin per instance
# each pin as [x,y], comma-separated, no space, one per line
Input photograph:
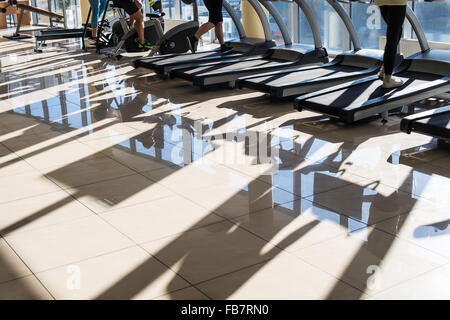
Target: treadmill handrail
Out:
[418,30]
[240,28]
[312,22]
[278,20]
[262,18]
[347,22]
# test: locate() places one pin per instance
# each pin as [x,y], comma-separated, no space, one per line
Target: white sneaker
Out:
[381,73]
[392,82]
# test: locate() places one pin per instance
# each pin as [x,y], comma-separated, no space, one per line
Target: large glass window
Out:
[73,11]
[229,29]
[368,23]
[285,9]
[329,23]
[435,19]
[169,8]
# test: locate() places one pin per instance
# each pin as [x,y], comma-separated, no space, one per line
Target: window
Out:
[285,10]
[169,9]
[229,29]
[329,22]
[368,23]
[434,18]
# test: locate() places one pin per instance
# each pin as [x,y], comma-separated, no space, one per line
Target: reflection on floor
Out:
[115,184]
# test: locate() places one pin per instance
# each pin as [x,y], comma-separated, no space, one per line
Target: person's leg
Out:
[215,16]
[94,17]
[132,7]
[139,25]
[217,19]
[394,17]
[102,8]
[218,30]
[204,28]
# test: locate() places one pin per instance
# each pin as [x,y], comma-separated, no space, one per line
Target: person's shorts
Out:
[128,5]
[215,10]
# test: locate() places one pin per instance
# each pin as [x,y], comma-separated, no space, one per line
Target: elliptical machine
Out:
[123,37]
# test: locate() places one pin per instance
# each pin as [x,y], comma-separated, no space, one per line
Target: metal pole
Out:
[263,18]
[19,22]
[347,22]
[240,28]
[312,22]
[412,18]
[278,20]
[195,9]
[64,13]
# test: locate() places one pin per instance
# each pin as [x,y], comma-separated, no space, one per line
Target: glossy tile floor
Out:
[115,184]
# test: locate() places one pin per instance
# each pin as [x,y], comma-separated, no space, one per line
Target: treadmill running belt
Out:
[215,69]
[437,121]
[355,96]
[190,56]
[293,77]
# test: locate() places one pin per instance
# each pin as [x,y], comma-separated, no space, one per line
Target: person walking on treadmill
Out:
[393,13]
[215,21]
[133,8]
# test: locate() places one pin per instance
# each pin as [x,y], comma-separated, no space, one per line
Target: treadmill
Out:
[285,56]
[425,74]
[435,123]
[345,67]
[245,46]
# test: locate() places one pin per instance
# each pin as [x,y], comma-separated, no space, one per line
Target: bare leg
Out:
[219,32]
[139,25]
[204,28]
[94,33]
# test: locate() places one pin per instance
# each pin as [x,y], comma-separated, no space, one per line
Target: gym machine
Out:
[123,37]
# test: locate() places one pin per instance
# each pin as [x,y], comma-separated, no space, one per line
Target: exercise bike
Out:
[124,38]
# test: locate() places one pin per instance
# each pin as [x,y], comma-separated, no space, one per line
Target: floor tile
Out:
[199,174]
[24,185]
[118,193]
[11,164]
[135,160]
[11,267]
[211,251]
[66,243]
[366,201]
[297,224]
[160,218]
[432,285]
[27,288]
[370,260]
[294,280]
[126,274]
[426,225]
[39,211]
[239,196]
[88,171]
[190,293]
